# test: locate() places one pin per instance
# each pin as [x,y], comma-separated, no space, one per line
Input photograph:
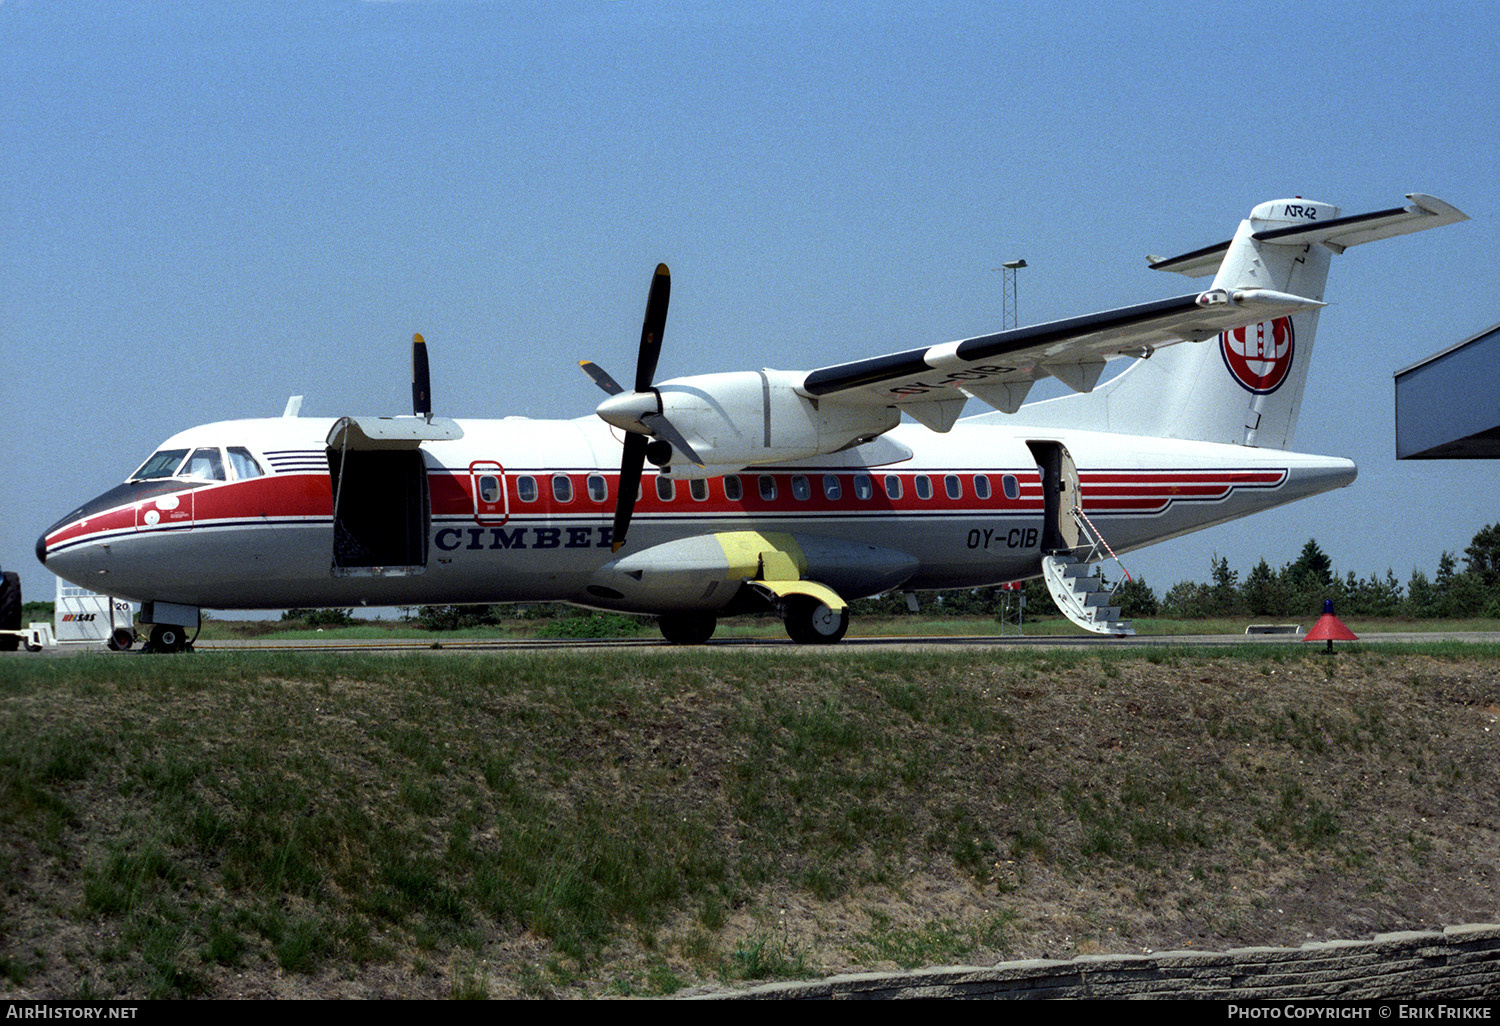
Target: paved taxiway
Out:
[849,644]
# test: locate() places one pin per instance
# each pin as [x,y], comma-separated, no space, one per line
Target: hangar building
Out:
[1448,405]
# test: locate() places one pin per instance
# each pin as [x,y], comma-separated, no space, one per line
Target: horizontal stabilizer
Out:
[1338,233]
[1343,232]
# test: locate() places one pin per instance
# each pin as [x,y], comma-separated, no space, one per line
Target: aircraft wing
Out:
[930,384]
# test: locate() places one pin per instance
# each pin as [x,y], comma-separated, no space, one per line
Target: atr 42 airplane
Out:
[786,490]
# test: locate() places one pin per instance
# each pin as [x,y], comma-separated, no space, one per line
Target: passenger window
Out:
[489,489]
[864,488]
[892,486]
[244,464]
[562,487]
[1011,485]
[923,485]
[767,487]
[598,490]
[666,488]
[831,489]
[953,486]
[801,490]
[733,490]
[161,464]
[698,489]
[526,488]
[205,463]
[981,486]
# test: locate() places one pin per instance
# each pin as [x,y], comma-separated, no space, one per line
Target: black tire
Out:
[10,611]
[810,622]
[121,639]
[168,637]
[687,628]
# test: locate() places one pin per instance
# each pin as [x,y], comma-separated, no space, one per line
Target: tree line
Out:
[1300,587]
[1296,589]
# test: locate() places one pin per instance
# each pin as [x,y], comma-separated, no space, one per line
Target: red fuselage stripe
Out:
[291,497]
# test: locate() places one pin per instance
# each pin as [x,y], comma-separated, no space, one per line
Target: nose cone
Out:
[69,553]
[55,532]
[72,553]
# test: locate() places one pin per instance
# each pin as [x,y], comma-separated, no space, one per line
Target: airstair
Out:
[1076,582]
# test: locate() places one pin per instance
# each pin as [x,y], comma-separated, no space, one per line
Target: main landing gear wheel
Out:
[810,622]
[167,637]
[687,628]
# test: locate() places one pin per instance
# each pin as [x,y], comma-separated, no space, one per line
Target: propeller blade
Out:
[600,377]
[631,465]
[662,428]
[652,327]
[633,461]
[421,380]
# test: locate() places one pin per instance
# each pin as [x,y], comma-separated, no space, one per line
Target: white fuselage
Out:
[520,510]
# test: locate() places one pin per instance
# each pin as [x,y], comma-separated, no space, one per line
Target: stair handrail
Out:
[1096,540]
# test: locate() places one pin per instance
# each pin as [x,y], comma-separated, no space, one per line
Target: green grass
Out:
[301,812]
[939,942]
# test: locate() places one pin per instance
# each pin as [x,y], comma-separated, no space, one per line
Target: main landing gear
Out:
[687,628]
[811,622]
[807,621]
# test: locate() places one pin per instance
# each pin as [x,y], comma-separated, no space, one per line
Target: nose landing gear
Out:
[167,637]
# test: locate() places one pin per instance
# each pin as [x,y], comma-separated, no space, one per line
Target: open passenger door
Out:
[382,512]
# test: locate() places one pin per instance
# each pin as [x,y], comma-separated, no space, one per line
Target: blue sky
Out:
[208,207]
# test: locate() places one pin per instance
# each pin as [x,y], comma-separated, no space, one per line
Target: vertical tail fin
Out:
[1245,386]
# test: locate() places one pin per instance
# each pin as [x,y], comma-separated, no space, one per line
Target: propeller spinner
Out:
[639,413]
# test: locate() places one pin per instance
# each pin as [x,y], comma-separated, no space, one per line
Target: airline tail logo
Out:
[1260,355]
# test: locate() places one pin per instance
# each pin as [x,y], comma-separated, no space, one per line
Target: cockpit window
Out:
[205,463]
[161,464]
[243,463]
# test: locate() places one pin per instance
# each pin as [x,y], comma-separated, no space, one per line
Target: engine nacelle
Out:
[706,572]
[750,418]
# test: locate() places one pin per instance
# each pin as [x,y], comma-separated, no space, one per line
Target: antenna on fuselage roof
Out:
[293,406]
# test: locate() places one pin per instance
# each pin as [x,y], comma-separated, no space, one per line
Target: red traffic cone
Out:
[1330,628]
